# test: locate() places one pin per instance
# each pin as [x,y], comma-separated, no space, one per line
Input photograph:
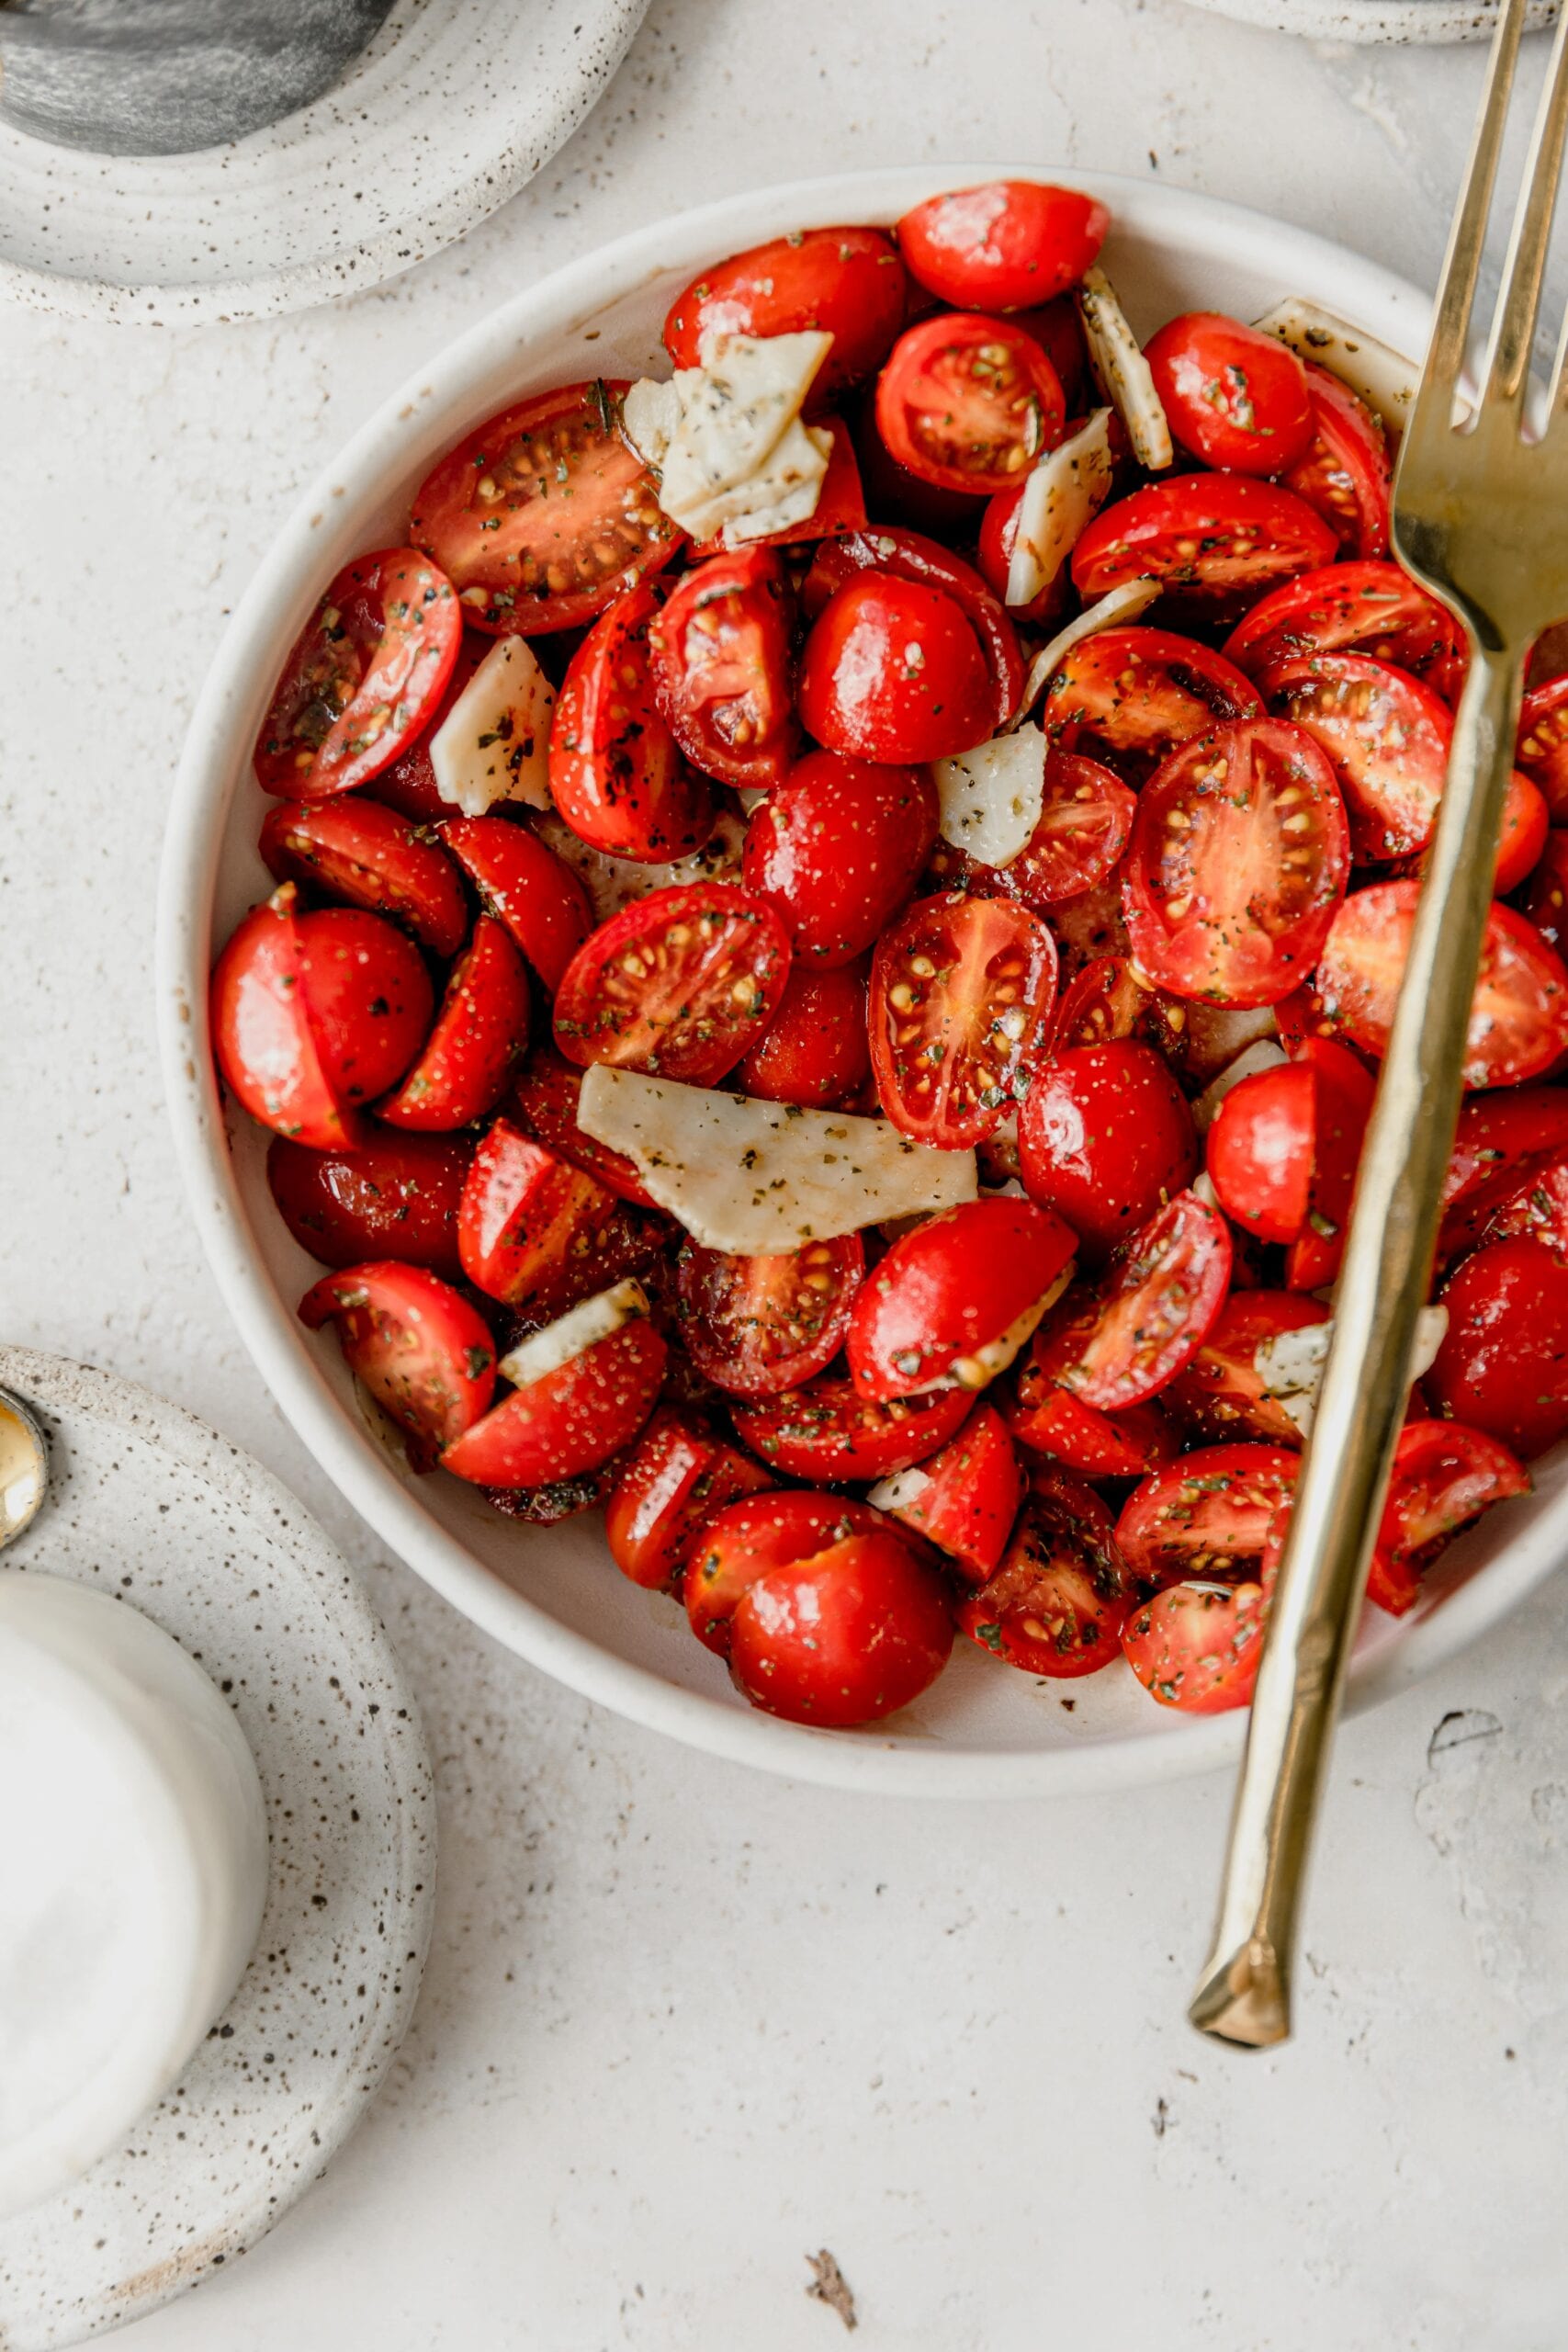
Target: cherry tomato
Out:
[263,1040]
[750,1540]
[1503,1144]
[481,1034]
[1151,1313]
[962,995]
[909,556]
[1233,395]
[1206,1515]
[1057,330]
[955,1299]
[1519,1020]
[1547,897]
[1212,538]
[416,1344]
[546,1101]
[1239,857]
[408,784]
[1105,1138]
[545,513]
[892,671]
[1344,474]
[966,1497]
[1050,1419]
[892,492]
[1086,819]
[836,848]
[392,1196]
[1503,1366]
[1059,1602]
[1103,1001]
[1543,750]
[1220,1394]
[1539,1208]
[757,1326]
[1444,1476]
[1141,691]
[968,402]
[355,850]
[617,776]
[681,983]
[1196,1646]
[366,673]
[677,1476]
[1004,244]
[721,666]
[532,1230]
[368,998]
[571,1420]
[848,283]
[1279,1132]
[825,1431]
[1342,1105]
[1352,608]
[815,1050]
[527,887]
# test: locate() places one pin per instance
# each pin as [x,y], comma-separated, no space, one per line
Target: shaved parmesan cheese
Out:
[594,1319]
[1290,1365]
[1061,496]
[1122,372]
[650,418]
[991,798]
[613,883]
[1264,1055]
[1384,379]
[758,1179]
[1123,604]
[727,440]
[896,1493]
[494,743]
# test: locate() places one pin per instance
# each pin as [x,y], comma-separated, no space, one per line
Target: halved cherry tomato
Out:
[681,983]
[815,1050]
[481,1034]
[836,848]
[1004,244]
[757,1326]
[569,1421]
[1547,897]
[1233,395]
[1196,1646]
[825,1431]
[1141,691]
[527,887]
[1540,1208]
[1206,1515]
[1105,1138]
[1057,1604]
[1352,608]
[968,401]
[1542,750]
[1519,1020]
[956,1298]
[1282,1152]
[1444,1476]
[962,994]
[355,850]
[1503,1143]
[893,493]
[263,1041]
[678,1476]
[1220,1394]
[892,670]
[1085,819]
[1345,474]
[1239,857]
[1103,1001]
[532,1230]
[617,776]
[392,1196]
[422,1351]
[546,1101]
[848,283]
[909,555]
[721,666]
[1342,1104]
[1050,1419]
[367,997]
[1212,538]
[366,673]
[544,513]
[1150,1315]
[409,785]
[1502,1365]
[755,1536]
[966,1497]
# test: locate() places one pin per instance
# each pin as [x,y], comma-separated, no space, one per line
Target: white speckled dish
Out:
[146,1502]
[1390,22]
[450,108]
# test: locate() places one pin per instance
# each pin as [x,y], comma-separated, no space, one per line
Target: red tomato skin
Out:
[358,851]
[892,671]
[481,1034]
[1524,835]
[262,1040]
[924,401]
[681,1035]
[1220,1395]
[1233,397]
[725,1325]
[392,1196]
[1203,536]
[1105,1138]
[527,887]
[677,1477]
[827,1431]
[1152,1311]
[842,1638]
[1542,750]
[954,1285]
[1050,1419]
[1057,1602]
[1502,1365]
[367,997]
[408,784]
[1342,1091]
[1444,1476]
[1501,1140]
[753,1535]
[721,645]
[545,1099]
[919,1000]
[1196,1647]
[972,1498]
[573,1419]
[815,1051]
[422,1351]
[1003,245]
[617,777]
[532,1230]
[836,848]
[1345,472]
[906,555]
[1370,608]
[1210,1508]
[1259,1151]
[849,283]
[1141,692]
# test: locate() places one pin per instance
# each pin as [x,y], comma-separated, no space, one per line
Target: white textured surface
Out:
[682,2025]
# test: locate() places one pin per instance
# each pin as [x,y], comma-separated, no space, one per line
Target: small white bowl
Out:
[554,1596]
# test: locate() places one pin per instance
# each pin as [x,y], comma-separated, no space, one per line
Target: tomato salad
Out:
[836,916]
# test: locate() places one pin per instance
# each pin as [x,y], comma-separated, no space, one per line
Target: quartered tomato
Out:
[1344,473]
[836,848]
[1105,1138]
[1057,1604]
[906,555]
[678,1476]
[1003,245]
[1282,1152]
[1197,1647]
[263,1039]
[962,994]
[1518,1021]
[1208,1514]
[893,671]
[1239,857]
[968,402]
[756,1327]
[544,513]
[1138,693]
[681,983]
[815,1050]
[408,784]
[956,1298]
[1213,540]
[364,674]
[527,887]
[1221,1393]
[392,1196]
[1502,1365]
[721,666]
[849,283]
[1085,819]
[1233,395]
[570,1420]
[368,998]
[1049,1419]
[825,1430]
[358,850]
[1503,1144]
[534,1230]
[966,1497]
[617,774]
[545,1103]
[1444,1476]
[1352,608]
[1542,750]
[422,1351]
[1150,1314]
[480,1035]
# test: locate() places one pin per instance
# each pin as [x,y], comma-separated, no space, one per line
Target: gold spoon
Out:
[24,1466]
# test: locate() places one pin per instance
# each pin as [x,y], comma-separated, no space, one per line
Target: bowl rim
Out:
[419,418]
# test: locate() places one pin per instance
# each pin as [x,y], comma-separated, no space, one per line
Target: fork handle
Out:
[1244,1992]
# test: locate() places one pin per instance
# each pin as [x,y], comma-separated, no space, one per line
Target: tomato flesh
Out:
[721,667]
[1057,1604]
[962,995]
[966,1499]
[676,1478]
[1220,1394]
[571,1421]
[756,1327]
[617,776]
[1206,1515]
[1136,694]
[1345,474]
[1210,538]
[356,851]
[532,1230]
[681,984]
[1152,1312]
[1105,1139]
[1086,820]
[416,1344]
[1371,607]
[1444,1476]
[1197,1647]
[968,402]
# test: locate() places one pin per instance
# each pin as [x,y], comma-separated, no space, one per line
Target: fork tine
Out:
[1513,336]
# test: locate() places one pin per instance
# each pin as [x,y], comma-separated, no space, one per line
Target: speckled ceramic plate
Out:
[147,1502]
[1388,22]
[453,106]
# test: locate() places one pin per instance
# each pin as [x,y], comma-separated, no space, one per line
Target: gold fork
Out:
[1481,518]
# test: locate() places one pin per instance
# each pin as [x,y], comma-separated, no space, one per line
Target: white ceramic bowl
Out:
[554,1596]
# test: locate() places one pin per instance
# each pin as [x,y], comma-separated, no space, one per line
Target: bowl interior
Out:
[554,1594]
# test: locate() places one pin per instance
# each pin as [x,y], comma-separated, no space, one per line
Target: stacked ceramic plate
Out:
[1388,22]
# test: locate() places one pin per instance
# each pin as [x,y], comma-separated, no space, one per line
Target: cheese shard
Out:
[494,743]
[991,798]
[1123,604]
[582,1327]
[734,460]
[1382,377]
[760,1179]
[613,883]
[1122,372]
[1061,497]
[1290,1364]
